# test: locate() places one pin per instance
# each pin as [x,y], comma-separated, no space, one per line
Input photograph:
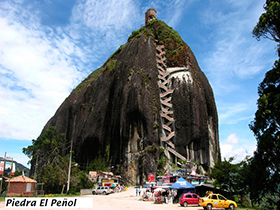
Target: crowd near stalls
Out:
[165,192]
[174,188]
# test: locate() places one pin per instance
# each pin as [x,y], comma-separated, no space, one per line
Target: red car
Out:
[189,199]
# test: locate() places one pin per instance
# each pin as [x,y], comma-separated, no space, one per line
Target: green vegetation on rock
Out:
[165,33]
[175,48]
[110,66]
[148,31]
[158,30]
[151,148]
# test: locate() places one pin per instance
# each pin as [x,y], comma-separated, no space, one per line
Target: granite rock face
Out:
[116,110]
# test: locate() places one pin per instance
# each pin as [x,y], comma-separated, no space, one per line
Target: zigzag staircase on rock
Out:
[166,103]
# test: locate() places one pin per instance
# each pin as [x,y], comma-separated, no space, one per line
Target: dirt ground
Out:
[122,201]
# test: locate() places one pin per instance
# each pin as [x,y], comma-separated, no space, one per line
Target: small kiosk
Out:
[21,186]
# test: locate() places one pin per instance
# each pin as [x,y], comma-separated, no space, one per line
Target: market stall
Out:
[180,187]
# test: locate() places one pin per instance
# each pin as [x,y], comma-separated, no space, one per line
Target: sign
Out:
[151,178]
[181,182]
[8,168]
[1,167]
[59,202]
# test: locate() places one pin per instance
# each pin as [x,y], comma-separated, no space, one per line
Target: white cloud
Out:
[106,15]
[234,147]
[234,54]
[234,113]
[20,158]
[40,64]
[102,26]
[37,72]
[232,139]
[178,7]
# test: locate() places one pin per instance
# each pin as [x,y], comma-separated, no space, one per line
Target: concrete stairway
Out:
[166,103]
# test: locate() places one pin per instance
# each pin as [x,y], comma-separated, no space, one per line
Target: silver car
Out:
[102,190]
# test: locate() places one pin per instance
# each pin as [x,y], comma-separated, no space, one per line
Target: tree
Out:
[225,174]
[265,165]
[54,176]
[46,153]
[269,22]
[266,128]
[46,149]
[98,164]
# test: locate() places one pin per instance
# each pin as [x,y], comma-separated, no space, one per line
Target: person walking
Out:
[139,192]
[136,191]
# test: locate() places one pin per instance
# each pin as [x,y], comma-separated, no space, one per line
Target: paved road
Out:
[121,201]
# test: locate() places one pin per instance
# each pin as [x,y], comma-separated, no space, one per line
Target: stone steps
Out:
[171,119]
[170,144]
[162,69]
[166,104]
[167,128]
[171,135]
[161,77]
[166,93]
[163,87]
[177,154]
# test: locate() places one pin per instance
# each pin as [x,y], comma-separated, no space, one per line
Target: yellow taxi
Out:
[217,201]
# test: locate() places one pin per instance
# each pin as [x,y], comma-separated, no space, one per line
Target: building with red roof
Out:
[21,185]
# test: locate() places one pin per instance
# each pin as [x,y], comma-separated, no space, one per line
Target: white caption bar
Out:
[55,202]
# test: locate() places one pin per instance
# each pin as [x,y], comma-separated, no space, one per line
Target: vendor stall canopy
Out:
[181,183]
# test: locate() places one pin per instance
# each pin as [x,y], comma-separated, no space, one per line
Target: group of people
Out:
[138,192]
[148,196]
[166,196]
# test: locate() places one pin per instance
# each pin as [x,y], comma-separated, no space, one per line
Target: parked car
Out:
[216,200]
[189,198]
[102,190]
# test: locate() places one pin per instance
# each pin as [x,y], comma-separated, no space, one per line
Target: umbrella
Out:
[146,186]
[113,185]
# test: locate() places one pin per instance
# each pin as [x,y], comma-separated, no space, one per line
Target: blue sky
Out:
[47,47]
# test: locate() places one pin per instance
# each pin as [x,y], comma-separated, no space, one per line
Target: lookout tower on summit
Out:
[150,15]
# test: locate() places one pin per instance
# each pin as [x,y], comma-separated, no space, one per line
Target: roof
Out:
[107,173]
[21,179]
[182,184]
[93,173]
